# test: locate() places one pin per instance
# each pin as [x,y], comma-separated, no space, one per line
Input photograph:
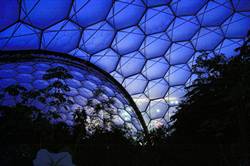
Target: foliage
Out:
[216,108]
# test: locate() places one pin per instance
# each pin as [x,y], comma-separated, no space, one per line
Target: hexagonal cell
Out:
[227,47]
[7,82]
[156,19]
[19,37]
[94,79]
[119,101]
[117,120]
[151,3]
[87,12]
[8,66]
[41,67]
[241,5]
[72,92]
[80,100]
[126,13]
[77,75]
[128,40]
[131,64]
[215,13]
[125,116]
[85,92]
[178,75]
[80,54]
[156,89]
[237,25]
[175,95]
[38,74]
[40,84]
[108,90]
[212,34]
[155,45]
[155,68]
[106,60]
[141,101]
[43,13]
[24,69]
[184,8]
[179,53]
[73,83]
[136,123]
[7,73]
[157,109]
[90,86]
[24,78]
[117,76]
[97,37]
[135,84]
[8,16]
[183,28]
[62,37]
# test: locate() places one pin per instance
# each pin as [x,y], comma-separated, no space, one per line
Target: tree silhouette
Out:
[216,108]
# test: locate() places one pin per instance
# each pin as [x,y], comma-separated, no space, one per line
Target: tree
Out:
[216,107]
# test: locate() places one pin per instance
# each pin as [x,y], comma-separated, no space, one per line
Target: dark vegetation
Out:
[211,127]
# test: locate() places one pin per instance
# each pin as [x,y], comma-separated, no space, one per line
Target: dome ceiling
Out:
[148,46]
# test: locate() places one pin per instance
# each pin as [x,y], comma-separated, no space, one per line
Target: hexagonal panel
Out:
[155,45]
[156,19]
[151,3]
[125,13]
[237,26]
[157,109]
[179,53]
[183,28]
[117,76]
[128,40]
[227,47]
[141,101]
[40,84]
[184,7]
[175,95]
[241,5]
[97,37]
[62,37]
[131,64]
[212,34]
[8,16]
[106,60]
[7,73]
[215,13]
[87,12]
[80,54]
[43,13]
[19,37]
[155,68]
[135,84]
[178,75]
[156,89]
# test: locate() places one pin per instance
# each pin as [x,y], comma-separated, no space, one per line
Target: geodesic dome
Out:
[148,46]
[29,73]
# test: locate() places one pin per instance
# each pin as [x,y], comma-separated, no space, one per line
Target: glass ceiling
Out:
[148,46]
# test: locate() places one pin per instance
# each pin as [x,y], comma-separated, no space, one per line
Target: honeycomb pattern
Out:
[82,88]
[146,45]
